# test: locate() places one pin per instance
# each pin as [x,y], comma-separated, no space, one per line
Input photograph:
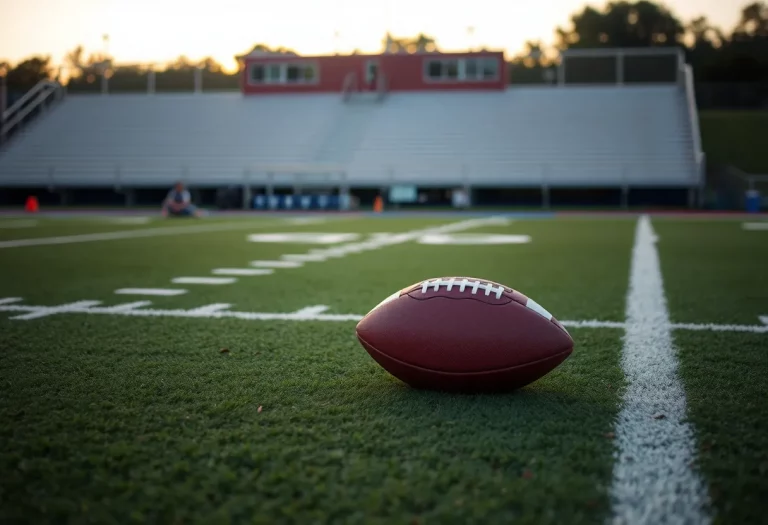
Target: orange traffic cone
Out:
[378,204]
[32,206]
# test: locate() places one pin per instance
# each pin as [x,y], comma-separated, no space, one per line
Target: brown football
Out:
[463,334]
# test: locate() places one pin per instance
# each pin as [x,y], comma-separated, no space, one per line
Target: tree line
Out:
[731,65]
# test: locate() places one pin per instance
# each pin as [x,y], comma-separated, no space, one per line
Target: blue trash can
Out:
[753,201]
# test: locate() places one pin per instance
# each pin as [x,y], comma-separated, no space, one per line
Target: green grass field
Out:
[138,414]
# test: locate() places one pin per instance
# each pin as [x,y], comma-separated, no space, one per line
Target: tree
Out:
[421,43]
[622,24]
[754,20]
[29,72]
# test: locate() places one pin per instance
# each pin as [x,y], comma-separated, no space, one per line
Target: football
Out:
[463,334]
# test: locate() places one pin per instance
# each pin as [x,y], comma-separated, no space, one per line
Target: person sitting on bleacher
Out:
[178,203]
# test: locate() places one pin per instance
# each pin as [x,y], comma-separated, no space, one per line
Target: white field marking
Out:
[127,220]
[653,477]
[203,280]
[130,306]
[133,234]
[380,241]
[276,264]
[60,309]
[474,238]
[304,237]
[21,223]
[303,257]
[312,313]
[764,319]
[754,226]
[306,220]
[242,271]
[211,308]
[150,291]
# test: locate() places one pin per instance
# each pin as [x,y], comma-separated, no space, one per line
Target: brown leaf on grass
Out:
[258,410]
[609,435]
[527,474]
[224,351]
[659,416]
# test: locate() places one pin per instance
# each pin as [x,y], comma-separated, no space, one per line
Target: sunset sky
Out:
[161,30]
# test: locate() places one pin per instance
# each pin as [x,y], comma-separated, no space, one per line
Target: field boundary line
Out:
[654,480]
[138,233]
[309,313]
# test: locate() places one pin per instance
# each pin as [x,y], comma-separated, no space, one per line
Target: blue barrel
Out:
[259,202]
[753,201]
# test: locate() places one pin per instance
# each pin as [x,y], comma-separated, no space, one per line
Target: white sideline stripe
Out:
[203,280]
[764,319]
[653,477]
[133,234]
[754,226]
[277,264]
[150,291]
[242,271]
[311,313]
[21,223]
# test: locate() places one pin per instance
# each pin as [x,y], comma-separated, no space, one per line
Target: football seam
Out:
[478,372]
[469,298]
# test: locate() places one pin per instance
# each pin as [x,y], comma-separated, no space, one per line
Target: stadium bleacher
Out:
[621,137]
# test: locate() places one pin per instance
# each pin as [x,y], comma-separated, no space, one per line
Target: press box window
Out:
[490,68]
[257,74]
[434,69]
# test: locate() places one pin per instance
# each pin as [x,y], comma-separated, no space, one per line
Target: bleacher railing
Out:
[39,97]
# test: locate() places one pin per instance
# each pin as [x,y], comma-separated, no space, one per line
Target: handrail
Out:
[38,95]
[693,116]
[28,95]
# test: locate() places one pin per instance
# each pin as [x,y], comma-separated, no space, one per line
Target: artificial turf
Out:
[114,419]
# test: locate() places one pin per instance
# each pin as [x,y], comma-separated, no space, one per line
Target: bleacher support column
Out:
[198,80]
[561,72]
[624,197]
[620,67]
[130,197]
[104,81]
[3,98]
[545,197]
[151,81]
[247,193]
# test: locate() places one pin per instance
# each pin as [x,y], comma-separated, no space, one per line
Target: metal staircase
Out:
[32,105]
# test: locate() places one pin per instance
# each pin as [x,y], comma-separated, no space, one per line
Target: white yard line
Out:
[203,280]
[134,234]
[151,291]
[245,272]
[755,226]
[277,264]
[309,313]
[654,480]
[382,241]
